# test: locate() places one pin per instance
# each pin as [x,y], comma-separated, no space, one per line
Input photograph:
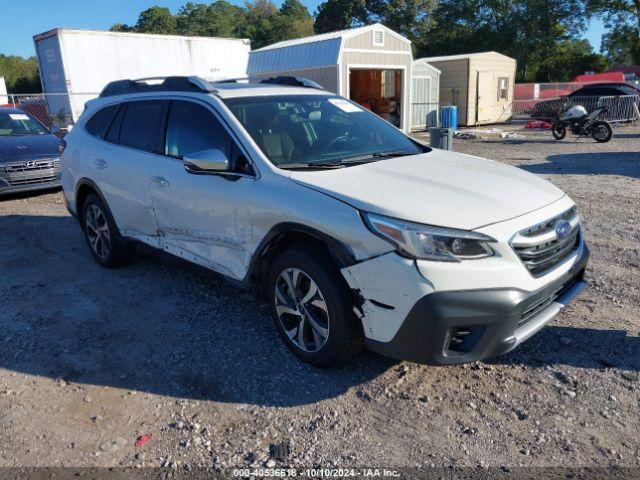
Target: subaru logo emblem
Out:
[563,229]
[30,164]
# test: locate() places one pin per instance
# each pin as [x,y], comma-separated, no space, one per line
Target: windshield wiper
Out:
[372,157]
[310,165]
[346,161]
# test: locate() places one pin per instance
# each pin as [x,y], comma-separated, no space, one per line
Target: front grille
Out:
[541,249]
[31,172]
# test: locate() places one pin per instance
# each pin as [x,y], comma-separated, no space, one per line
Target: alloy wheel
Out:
[97,229]
[601,132]
[302,310]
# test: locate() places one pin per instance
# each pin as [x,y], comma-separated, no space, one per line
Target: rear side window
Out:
[114,129]
[141,125]
[193,128]
[99,122]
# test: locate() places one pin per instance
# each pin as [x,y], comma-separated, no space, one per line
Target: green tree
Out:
[621,43]
[528,30]
[121,27]
[262,23]
[568,59]
[411,18]
[21,74]
[219,19]
[295,20]
[156,20]
[333,15]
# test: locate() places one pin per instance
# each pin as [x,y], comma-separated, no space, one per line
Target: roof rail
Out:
[158,84]
[293,81]
[279,80]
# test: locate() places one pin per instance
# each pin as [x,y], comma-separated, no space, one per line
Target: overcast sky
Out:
[22,19]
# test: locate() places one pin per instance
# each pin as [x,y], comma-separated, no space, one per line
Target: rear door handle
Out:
[160,181]
[101,164]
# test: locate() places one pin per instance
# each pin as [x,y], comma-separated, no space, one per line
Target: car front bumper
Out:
[451,327]
[6,189]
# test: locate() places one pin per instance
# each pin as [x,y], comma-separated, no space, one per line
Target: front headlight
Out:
[431,243]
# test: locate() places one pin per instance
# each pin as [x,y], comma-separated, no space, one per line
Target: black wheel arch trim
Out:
[341,253]
[91,184]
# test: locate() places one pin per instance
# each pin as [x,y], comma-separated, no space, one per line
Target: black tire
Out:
[559,130]
[601,131]
[110,249]
[345,335]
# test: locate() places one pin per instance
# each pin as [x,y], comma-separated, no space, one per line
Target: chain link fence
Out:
[622,109]
[52,109]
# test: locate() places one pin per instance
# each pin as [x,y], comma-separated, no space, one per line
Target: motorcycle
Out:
[582,123]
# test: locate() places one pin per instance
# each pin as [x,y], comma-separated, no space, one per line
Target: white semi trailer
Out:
[4,98]
[75,65]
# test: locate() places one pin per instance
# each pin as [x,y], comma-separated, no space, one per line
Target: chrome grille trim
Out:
[539,247]
[42,171]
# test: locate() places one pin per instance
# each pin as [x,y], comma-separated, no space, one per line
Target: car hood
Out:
[436,188]
[16,148]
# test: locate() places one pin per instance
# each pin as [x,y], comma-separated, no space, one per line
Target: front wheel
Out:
[559,130]
[601,131]
[313,308]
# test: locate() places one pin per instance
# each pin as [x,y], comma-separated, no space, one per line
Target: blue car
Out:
[29,153]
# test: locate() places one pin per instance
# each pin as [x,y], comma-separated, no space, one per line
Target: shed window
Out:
[378,38]
[503,88]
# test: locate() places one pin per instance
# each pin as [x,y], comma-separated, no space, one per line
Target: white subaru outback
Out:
[355,234]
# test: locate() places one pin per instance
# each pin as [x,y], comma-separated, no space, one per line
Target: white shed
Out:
[370,65]
[425,95]
[479,84]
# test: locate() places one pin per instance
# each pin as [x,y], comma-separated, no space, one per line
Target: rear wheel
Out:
[313,308]
[601,131]
[559,130]
[105,244]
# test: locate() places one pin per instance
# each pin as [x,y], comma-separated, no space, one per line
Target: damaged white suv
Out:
[355,234]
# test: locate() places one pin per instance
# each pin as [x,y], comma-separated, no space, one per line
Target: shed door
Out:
[422,108]
[486,97]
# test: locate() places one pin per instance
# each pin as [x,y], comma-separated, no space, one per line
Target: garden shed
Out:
[425,92]
[479,84]
[370,65]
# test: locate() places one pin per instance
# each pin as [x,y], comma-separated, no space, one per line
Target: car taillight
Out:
[61,146]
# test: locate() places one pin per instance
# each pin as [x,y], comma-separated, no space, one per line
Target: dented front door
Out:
[203,218]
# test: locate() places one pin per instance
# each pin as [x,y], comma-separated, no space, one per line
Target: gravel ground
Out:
[91,359]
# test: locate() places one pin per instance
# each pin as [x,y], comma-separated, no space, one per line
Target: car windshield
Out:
[304,131]
[18,124]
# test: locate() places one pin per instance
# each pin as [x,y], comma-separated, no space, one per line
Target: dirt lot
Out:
[90,359]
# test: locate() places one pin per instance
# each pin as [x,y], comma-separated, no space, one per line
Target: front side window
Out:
[193,128]
[18,124]
[141,125]
[314,129]
[503,88]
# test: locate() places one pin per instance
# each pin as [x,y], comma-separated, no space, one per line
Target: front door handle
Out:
[160,181]
[101,164]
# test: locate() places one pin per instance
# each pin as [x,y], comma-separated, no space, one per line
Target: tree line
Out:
[544,37]
[20,74]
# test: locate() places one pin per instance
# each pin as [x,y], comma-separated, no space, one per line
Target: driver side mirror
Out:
[212,160]
[55,129]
